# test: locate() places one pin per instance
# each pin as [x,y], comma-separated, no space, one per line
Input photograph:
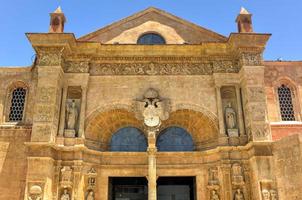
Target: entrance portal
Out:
[176,188]
[128,188]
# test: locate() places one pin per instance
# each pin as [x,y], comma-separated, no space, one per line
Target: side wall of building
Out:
[288,166]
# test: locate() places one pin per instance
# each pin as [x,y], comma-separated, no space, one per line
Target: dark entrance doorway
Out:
[176,188]
[128,188]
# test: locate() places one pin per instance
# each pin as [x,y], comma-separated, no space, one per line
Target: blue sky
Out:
[282,18]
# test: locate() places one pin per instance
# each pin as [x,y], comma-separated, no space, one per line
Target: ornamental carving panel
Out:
[251,59]
[76,67]
[46,95]
[49,59]
[256,94]
[43,113]
[204,68]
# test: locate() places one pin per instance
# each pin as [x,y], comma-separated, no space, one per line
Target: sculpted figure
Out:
[90,196]
[65,195]
[274,195]
[214,195]
[213,176]
[238,195]
[265,194]
[237,174]
[230,117]
[71,115]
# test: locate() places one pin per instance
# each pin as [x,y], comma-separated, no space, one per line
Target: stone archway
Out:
[102,125]
[202,128]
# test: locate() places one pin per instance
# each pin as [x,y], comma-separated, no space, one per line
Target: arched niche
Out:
[174,139]
[128,139]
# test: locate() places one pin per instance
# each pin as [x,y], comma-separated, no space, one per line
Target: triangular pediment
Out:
[174,29]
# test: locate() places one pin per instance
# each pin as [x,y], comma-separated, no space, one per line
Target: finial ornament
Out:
[243,11]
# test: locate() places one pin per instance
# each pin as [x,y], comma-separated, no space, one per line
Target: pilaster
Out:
[47,105]
[254,103]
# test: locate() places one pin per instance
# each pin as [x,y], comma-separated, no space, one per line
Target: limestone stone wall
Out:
[11,78]
[13,162]
[288,166]
[288,73]
[106,91]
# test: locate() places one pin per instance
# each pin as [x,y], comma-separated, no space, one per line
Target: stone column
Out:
[220,112]
[78,181]
[152,175]
[63,112]
[47,104]
[83,113]
[226,186]
[239,113]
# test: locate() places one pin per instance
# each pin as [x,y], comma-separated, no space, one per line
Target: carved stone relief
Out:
[256,94]
[237,175]
[76,67]
[206,68]
[251,59]
[213,176]
[43,113]
[50,59]
[214,195]
[238,195]
[46,95]
[66,177]
[65,195]
[152,109]
[35,191]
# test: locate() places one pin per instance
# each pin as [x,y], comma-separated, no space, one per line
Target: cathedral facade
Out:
[151,107]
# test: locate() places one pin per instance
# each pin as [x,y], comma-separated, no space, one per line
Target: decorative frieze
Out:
[76,67]
[152,68]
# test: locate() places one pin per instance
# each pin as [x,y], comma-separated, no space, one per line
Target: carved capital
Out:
[251,58]
[50,56]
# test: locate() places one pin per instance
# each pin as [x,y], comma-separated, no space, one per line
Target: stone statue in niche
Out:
[265,194]
[213,176]
[90,195]
[231,121]
[274,195]
[237,174]
[65,195]
[238,195]
[214,195]
[71,118]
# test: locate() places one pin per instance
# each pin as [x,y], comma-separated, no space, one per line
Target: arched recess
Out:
[128,139]
[202,128]
[100,126]
[174,139]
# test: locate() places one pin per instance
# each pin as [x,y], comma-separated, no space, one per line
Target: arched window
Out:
[128,139]
[286,104]
[174,139]
[17,104]
[151,38]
